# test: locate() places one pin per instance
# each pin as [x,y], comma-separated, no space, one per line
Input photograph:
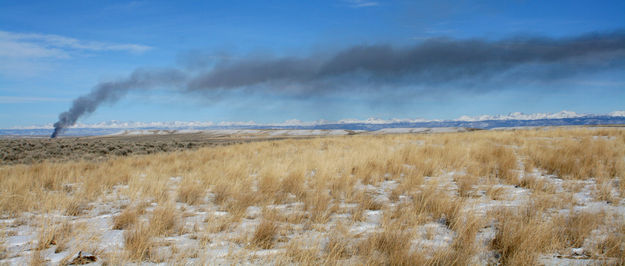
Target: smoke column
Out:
[432,62]
[112,91]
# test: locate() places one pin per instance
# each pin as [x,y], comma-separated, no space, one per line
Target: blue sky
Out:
[54,51]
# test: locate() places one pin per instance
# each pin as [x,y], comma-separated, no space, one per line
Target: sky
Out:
[52,52]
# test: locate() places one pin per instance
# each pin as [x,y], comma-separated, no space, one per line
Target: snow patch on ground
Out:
[231,242]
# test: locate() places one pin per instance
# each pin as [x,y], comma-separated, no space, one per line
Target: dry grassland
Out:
[520,197]
[39,149]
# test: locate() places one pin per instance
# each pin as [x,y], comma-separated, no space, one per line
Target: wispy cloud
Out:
[20,99]
[34,45]
[26,54]
[360,3]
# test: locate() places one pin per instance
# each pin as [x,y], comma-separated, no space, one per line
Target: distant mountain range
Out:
[564,118]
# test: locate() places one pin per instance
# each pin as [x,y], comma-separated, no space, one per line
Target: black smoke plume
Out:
[431,62]
[113,90]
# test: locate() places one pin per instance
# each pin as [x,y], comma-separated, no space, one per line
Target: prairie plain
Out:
[511,197]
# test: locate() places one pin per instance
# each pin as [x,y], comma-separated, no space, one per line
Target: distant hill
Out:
[482,122]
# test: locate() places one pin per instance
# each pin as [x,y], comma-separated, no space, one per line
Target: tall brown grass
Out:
[580,158]
[521,236]
[138,242]
[334,182]
[265,234]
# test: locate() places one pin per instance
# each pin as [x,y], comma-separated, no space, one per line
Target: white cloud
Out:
[26,54]
[19,99]
[361,3]
[34,45]
[15,49]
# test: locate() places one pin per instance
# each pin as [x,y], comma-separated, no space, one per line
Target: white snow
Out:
[522,116]
[294,122]
[617,113]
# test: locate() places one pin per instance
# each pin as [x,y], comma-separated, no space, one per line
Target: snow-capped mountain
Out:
[617,113]
[515,119]
[522,116]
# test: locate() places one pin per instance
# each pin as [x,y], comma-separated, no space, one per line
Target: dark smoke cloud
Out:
[113,91]
[432,62]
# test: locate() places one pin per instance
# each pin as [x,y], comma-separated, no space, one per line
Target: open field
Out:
[513,197]
[32,150]
[28,150]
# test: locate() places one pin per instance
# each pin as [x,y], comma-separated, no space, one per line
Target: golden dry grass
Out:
[138,242]
[264,235]
[125,219]
[436,196]
[521,235]
[191,192]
